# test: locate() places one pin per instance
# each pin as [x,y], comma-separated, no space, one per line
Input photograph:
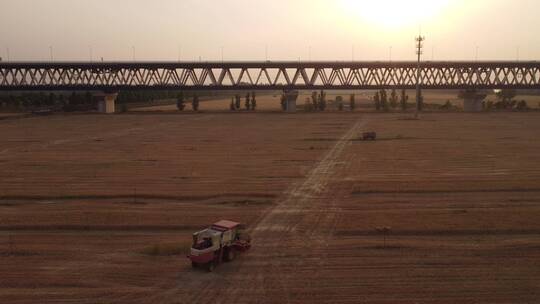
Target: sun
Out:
[392,14]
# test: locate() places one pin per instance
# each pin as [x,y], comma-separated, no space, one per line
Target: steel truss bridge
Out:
[267,75]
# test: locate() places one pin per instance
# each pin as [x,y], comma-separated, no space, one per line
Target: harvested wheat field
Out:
[100,209]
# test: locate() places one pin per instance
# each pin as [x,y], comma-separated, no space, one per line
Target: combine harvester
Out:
[220,242]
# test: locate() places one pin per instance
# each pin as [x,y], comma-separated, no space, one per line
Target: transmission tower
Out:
[419,46]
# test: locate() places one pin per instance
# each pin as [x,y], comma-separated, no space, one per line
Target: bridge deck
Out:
[268,75]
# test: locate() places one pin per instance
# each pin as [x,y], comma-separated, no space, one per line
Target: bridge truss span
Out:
[267,75]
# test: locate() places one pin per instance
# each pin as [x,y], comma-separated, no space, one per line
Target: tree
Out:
[377,101]
[352,102]
[403,100]
[339,101]
[322,101]
[24,101]
[283,102]
[308,106]
[384,231]
[393,99]
[42,99]
[253,101]
[384,100]
[18,101]
[195,103]
[51,99]
[88,98]
[246,104]
[73,98]
[506,95]
[488,105]
[237,101]
[62,99]
[447,106]
[180,102]
[11,101]
[513,104]
[522,106]
[314,100]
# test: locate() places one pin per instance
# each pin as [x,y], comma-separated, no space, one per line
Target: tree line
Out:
[383,102]
[87,100]
[58,101]
[318,102]
[506,101]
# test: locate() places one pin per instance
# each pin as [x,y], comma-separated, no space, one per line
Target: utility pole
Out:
[419,45]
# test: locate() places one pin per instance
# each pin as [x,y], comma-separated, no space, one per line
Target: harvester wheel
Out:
[231,254]
[211,266]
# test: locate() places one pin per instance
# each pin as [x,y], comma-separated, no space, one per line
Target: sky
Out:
[193,30]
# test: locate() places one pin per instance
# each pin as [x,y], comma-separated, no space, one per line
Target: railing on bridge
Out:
[113,76]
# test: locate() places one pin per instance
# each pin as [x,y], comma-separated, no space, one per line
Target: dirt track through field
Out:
[288,237]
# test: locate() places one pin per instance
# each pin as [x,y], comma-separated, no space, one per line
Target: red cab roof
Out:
[225,225]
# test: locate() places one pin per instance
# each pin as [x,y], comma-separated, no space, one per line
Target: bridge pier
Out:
[472,105]
[472,100]
[106,102]
[290,101]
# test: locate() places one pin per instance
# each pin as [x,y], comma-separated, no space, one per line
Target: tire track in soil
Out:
[290,238]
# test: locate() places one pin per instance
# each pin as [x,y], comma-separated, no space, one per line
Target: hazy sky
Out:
[288,29]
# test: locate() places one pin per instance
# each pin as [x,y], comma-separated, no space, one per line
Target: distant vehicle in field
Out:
[369,136]
[220,242]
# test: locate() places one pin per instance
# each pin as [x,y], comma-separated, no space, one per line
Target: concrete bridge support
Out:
[472,100]
[472,105]
[290,101]
[106,102]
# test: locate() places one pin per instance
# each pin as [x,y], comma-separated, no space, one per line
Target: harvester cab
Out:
[220,242]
